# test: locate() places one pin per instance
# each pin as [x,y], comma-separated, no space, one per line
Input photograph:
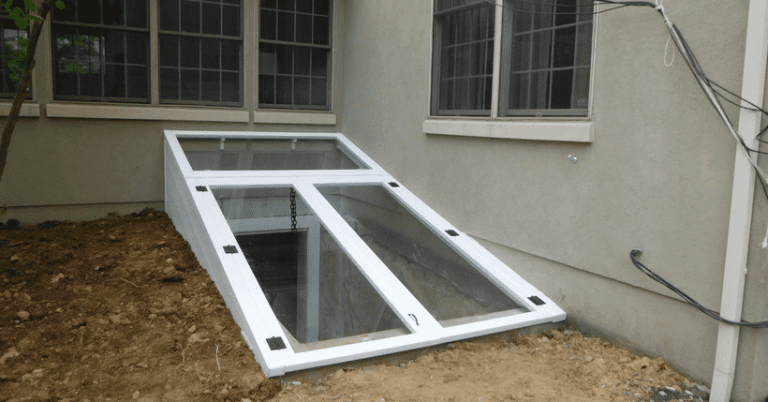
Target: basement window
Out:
[322,261]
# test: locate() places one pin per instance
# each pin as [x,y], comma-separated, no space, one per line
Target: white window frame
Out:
[198,217]
[545,128]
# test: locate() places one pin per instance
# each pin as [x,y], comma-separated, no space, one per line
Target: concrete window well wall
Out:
[323,257]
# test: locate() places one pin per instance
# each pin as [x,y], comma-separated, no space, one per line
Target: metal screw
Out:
[573,158]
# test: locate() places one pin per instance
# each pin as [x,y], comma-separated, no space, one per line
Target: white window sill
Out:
[91,111]
[27,109]
[272,117]
[569,131]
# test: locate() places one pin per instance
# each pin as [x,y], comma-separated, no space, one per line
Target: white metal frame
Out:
[197,216]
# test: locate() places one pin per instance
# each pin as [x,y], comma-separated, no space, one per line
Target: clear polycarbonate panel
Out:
[447,285]
[315,290]
[268,154]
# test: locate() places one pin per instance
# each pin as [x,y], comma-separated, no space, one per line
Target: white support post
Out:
[308,295]
[312,287]
[495,92]
[741,203]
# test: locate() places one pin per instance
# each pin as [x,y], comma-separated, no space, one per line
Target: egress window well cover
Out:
[322,257]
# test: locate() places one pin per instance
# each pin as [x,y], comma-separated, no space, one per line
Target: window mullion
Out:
[154,51]
[496,58]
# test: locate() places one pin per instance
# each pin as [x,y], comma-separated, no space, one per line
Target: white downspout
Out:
[752,89]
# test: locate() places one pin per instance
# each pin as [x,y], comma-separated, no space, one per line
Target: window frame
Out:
[434,126]
[330,47]
[102,29]
[200,69]
[249,111]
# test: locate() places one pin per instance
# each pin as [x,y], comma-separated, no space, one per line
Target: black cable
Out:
[633,255]
[705,82]
[621,5]
[712,95]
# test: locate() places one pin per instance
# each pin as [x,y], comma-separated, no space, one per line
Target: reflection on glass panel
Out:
[539,90]
[298,70]
[562,82]
[586,8]
[552,48]
[465,59]
[262,154]
[314,289]
[582,88]
[542,46]
[79,53]
[518,91]
[101,49]
[319,91]
[446,284]
[522,54]
[565,38]
[204,39]
[319,63]
[565,12]
[584,47]
[12,56]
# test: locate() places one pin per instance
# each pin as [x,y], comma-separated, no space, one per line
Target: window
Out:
[11,57]
[101,50]
[201,52]
[104,50]
[544,67]
[295,54]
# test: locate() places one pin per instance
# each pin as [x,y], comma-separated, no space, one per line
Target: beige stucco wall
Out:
[657,176]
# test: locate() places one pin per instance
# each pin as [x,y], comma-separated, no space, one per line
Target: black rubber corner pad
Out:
[451,232]
[230,249]
[393,184]
[535,300]
[201,189]
[276,343]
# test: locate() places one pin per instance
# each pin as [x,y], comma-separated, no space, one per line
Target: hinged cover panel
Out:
[339,262]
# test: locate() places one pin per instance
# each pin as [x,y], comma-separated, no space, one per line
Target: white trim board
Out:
[568,131]
[192,204]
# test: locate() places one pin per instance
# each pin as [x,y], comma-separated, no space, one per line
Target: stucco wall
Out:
[657,176]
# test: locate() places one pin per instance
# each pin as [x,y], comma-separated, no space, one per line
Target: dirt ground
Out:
[119,309]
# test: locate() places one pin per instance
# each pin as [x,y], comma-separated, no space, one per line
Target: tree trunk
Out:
[21,91]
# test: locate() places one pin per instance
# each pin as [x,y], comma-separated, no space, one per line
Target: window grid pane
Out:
[105,57]
[294,54]
[549,64]
[11,58]
[464,58]
[200,52]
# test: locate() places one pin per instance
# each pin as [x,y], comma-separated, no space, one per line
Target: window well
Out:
[331,262]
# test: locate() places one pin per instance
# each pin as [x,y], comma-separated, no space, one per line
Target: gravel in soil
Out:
[119,309]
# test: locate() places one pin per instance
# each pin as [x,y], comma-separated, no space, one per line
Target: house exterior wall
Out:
[658,175]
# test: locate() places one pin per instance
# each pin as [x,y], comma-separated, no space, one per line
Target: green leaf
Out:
[59,4]
[30,5]
[21,23]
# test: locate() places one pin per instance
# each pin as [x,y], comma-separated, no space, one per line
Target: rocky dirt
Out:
[119,309]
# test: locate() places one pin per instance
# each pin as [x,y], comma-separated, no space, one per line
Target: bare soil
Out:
[119,309]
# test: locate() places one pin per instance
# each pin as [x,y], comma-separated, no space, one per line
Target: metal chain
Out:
[293,211]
